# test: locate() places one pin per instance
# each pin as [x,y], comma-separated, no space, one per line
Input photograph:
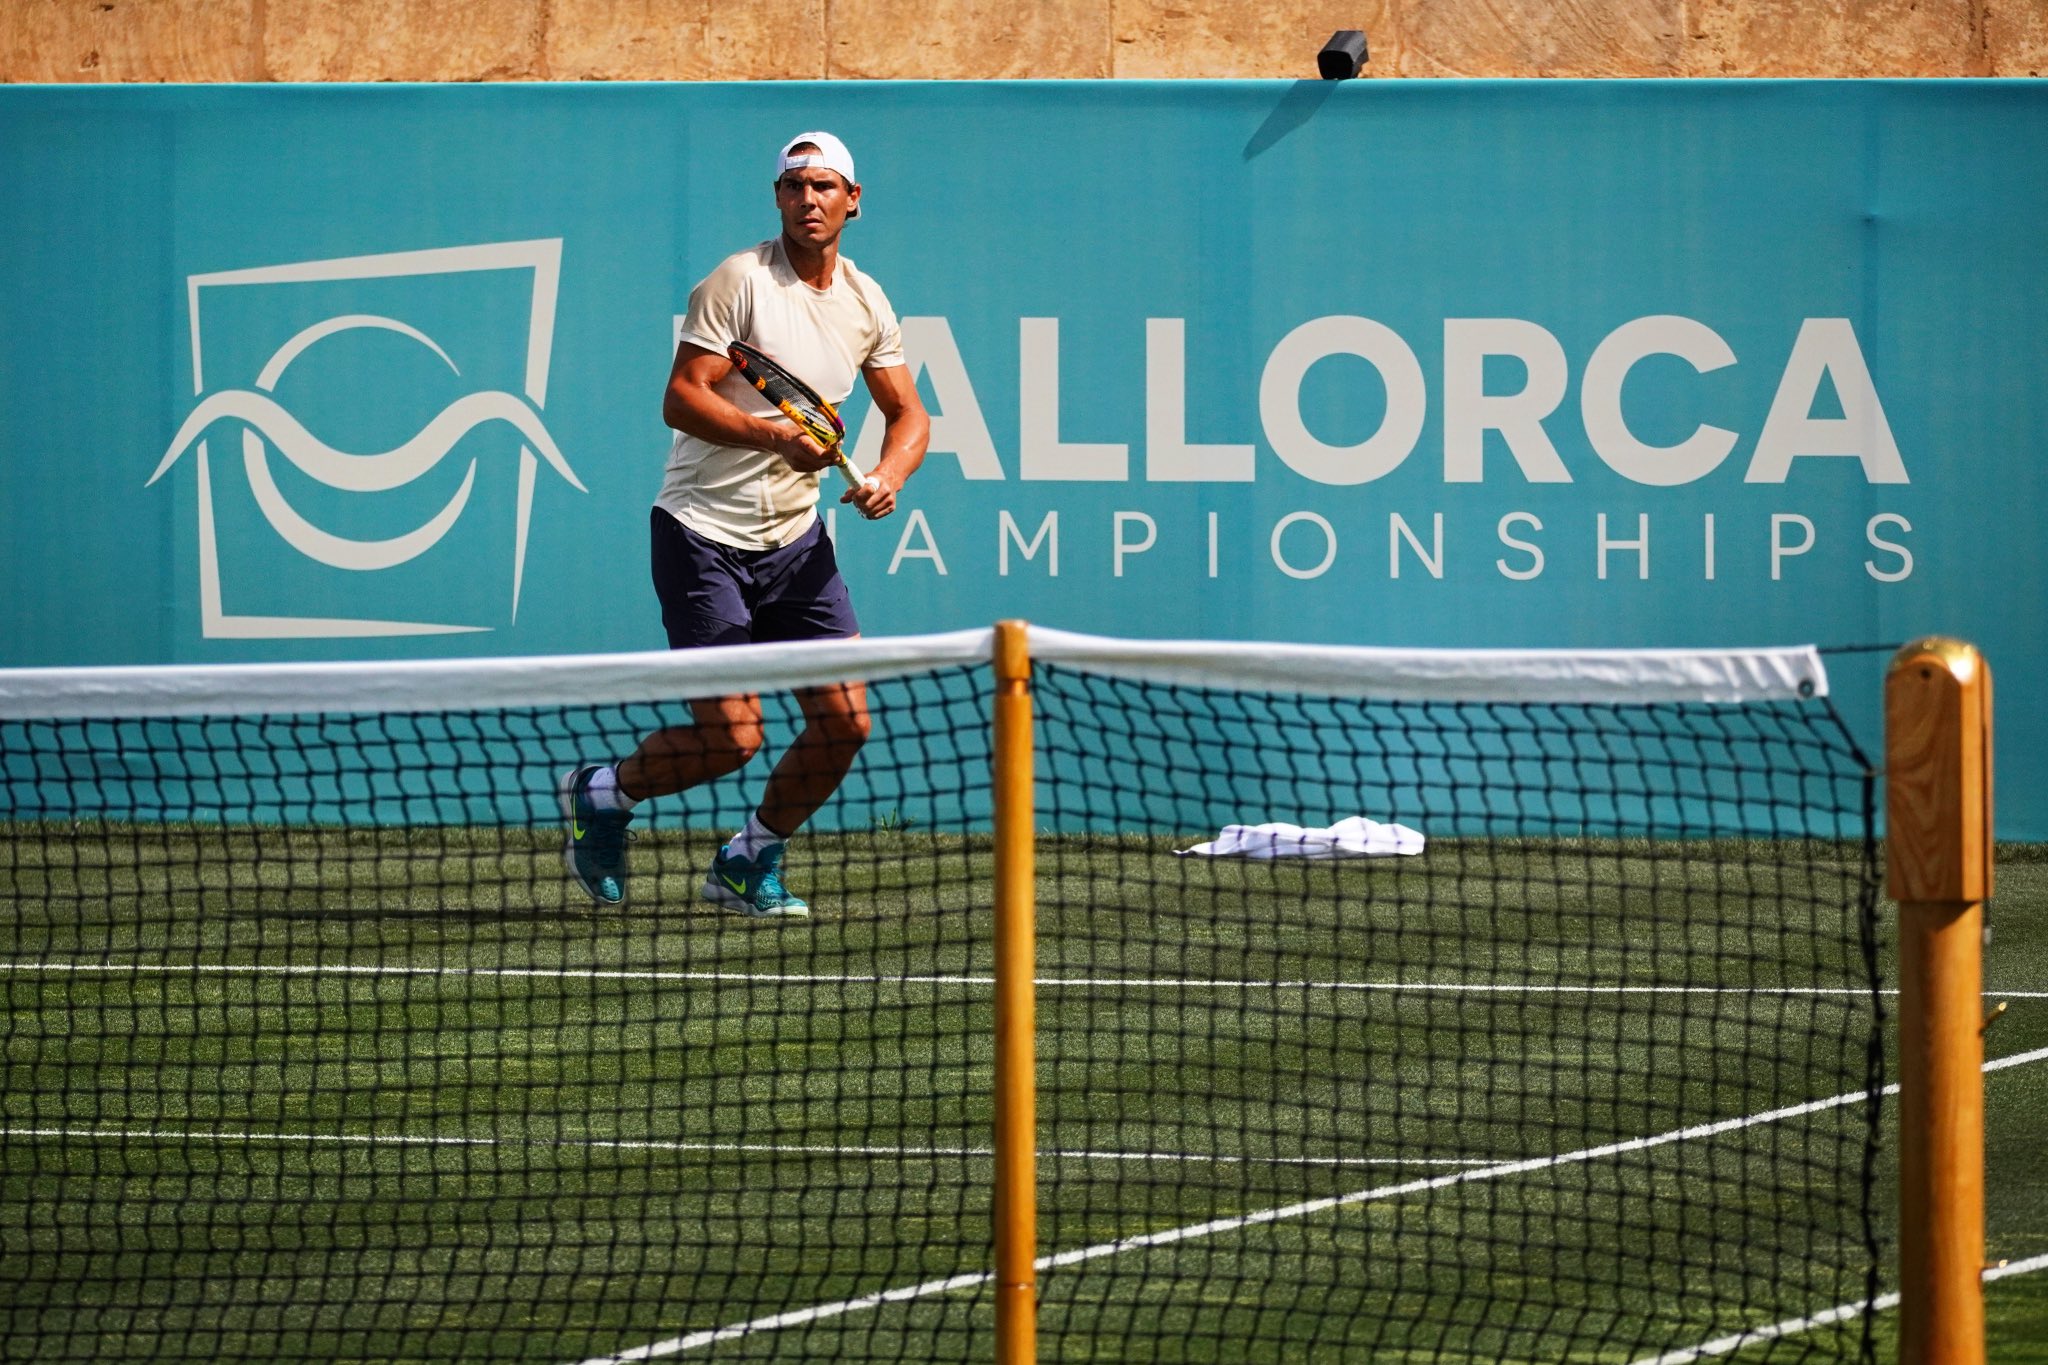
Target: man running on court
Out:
[740,554]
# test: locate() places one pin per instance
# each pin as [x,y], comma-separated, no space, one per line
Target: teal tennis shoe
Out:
[596,847]
[753,888]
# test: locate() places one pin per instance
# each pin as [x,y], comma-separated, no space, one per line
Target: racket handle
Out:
[849,471]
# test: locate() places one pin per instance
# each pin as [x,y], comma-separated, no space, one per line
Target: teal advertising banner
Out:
[349,372]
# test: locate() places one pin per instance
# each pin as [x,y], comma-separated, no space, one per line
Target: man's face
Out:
[814,203]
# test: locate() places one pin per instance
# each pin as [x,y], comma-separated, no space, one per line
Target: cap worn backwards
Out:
[832,155]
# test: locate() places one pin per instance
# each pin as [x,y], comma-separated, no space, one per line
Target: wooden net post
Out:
[1937,709]
[1016,1107]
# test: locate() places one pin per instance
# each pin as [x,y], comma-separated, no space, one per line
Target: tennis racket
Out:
[799,402]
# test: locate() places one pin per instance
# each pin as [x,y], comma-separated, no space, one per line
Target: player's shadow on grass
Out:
[1295,108]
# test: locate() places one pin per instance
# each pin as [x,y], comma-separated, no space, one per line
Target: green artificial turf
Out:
[2015,1101]
[402,1096]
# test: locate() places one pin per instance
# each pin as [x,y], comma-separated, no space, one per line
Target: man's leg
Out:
[702,587]
[836,724]
[598,800]
[725,738]
[800,597]
[804,598]
[747,874]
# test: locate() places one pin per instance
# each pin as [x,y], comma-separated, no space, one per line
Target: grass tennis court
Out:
[2015,1155]
[343,1123]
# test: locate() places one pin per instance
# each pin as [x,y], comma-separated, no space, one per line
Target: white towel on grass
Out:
[1356,837]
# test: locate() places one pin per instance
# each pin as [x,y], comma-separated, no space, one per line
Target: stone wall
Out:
[470,40]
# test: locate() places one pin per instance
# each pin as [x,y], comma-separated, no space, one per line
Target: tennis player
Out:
[740,554]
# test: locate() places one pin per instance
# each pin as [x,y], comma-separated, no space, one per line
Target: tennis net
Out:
[313,1051]
[1577,1061]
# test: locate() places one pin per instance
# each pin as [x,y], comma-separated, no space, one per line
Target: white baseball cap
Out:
[831,154]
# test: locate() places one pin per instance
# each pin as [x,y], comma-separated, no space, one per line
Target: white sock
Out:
[604,792]
[752,838]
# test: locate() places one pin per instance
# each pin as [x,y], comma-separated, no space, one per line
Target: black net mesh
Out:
[1517,1097]
[312,1052]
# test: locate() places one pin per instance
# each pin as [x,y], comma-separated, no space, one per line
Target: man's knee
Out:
[732,742]
[719,743]
[845,727]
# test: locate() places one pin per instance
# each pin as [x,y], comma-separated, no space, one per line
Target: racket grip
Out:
[849,471]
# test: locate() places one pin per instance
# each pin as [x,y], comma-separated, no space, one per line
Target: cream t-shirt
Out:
[751,499]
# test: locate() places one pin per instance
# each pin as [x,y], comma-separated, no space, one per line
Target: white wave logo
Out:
[266,423]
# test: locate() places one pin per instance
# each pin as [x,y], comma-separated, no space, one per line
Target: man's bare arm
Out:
[908,432]
[694,406]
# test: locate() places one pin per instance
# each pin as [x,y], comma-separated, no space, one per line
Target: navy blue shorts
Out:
[713,594]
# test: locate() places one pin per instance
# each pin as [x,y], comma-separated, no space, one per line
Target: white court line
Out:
[797,1317]
[1722,1346]
[826,979]
[676,1145]
[2026,1267]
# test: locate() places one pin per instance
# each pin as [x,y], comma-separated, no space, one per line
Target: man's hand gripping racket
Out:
[801,404]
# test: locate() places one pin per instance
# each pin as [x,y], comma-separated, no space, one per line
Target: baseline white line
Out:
[675,1345]
[2026,1267]
[887,979]
[678,1145]
[2001,1063]
[794,1318]
[1791,1327]
[1722,1346]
